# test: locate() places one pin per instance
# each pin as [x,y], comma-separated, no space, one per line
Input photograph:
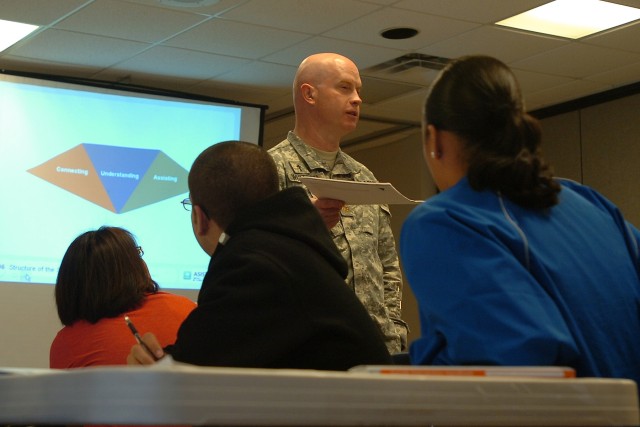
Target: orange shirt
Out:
[109,341]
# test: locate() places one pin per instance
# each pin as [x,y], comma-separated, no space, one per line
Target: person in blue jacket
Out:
[509,265]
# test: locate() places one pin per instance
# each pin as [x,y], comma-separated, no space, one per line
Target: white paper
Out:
[356,193]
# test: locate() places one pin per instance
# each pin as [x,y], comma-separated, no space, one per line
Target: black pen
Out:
[135,333]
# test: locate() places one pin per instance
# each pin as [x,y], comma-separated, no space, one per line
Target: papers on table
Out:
[471,371]
[356,193]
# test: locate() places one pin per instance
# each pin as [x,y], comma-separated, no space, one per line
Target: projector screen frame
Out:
[141,89]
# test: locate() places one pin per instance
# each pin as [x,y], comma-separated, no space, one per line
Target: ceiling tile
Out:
[368,28]
[362,54]
[376,90]
[180,63]
[576,60]
[623,38]
[271,75]
[124,20]
[211,10]
[533,82]
[240,93]
[383,2]
[562,93]
[308,16]
[417,75]
[616,77]
[630,3]
[82,49]
[506,45]
[484,11]
[235,39]
[38,12]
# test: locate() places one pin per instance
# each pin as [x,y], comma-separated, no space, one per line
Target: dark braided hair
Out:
[478,98]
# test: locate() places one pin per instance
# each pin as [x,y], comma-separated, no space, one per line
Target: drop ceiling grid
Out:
[247,50]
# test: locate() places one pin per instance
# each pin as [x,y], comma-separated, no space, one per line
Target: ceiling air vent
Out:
[408,61]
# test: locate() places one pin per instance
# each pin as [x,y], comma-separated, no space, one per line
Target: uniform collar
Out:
[343,165]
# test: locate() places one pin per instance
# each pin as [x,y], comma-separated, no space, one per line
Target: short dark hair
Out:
[231,176]
[478,98]
[101,275]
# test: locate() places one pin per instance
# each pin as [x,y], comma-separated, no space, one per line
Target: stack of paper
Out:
[472,371]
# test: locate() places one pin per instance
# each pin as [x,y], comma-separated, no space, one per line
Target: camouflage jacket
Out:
[363,235]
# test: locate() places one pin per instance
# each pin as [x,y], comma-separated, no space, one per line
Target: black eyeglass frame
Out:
[188,206]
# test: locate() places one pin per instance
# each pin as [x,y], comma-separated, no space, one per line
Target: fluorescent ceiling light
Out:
[11,32]
[573,18]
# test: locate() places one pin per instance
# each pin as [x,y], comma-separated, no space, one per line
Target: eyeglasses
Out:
[140,251]
[188,206]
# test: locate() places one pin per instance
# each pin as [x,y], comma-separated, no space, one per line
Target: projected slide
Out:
[119,179]
[74,158]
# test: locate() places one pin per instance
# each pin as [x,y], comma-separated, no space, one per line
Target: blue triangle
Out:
[120,169]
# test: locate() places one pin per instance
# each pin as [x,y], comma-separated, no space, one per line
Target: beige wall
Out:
[600,147]
[611,152]
[561,145]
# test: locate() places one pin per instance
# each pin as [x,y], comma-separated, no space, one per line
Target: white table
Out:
[183,394]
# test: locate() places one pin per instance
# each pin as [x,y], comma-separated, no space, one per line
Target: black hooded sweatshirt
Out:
[274,296]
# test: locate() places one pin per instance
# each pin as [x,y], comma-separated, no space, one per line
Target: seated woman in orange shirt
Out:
[103,278]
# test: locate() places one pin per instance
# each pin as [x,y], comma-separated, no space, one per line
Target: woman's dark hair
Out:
[478,98]
[229,177]
[101,275]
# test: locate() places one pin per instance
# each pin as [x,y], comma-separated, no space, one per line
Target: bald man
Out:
[326,97]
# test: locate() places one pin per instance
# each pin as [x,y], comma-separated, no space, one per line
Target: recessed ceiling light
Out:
[11,32]
[399,33]
[573,18]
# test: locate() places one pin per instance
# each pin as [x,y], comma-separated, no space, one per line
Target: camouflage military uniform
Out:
[363,236]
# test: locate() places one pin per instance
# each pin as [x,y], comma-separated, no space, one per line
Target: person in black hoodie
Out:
[274,294]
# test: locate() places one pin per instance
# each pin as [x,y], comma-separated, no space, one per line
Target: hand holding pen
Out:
[132,359]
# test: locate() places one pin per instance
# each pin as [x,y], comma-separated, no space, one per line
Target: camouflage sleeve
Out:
[279,159]
[392,275]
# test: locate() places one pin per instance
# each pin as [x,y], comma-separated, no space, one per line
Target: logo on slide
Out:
[119,179]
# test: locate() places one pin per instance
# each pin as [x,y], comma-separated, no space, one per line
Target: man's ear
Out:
[308,92]
[200,221]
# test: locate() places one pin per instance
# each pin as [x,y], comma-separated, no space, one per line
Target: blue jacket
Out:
[499,284]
